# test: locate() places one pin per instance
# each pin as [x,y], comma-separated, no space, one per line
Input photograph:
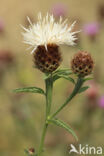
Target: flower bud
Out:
[82,64]
[31,151]
[47,60]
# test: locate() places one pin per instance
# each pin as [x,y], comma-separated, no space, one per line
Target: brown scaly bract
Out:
[82,64]
[47,60]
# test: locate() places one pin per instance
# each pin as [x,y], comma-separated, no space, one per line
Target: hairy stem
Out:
[49,88]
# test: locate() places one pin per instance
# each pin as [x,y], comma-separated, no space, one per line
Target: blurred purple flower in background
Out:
[101,102]
[91,29]
[2,25]
[93,92]
[6,61]
[59,9]
[92,95]
[6,56]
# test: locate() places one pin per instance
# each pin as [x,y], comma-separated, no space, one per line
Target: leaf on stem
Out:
[83,89]
[29,90]
[62,124]
[88,78]
[67,78]
[63,72]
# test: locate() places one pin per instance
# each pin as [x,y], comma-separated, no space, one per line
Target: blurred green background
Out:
[21,115]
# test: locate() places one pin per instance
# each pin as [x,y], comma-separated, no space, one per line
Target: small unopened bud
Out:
[31,151]
[82,64]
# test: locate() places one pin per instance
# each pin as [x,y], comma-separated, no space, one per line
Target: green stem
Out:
[49,88]
[75,91]
[42,139]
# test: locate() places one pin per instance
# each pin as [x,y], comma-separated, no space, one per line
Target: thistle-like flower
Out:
[82,64]
[44,38]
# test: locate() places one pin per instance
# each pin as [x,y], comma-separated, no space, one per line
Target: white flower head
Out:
[48,31]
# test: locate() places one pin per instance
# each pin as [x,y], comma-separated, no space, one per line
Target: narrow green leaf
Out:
[56,77]
[83,89]
[46,76]
[67,78]
[59,73]
[62,124]
[63,71]
[88,78]
[29,90]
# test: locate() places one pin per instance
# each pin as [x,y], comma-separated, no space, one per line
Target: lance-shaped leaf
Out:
[62,124]
[56,77]
[83,89]
[29,90]
[88,78]
[63,72]
[67,78]
[60,73]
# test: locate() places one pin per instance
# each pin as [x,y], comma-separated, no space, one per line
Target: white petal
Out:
[29,21]
[47,31]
